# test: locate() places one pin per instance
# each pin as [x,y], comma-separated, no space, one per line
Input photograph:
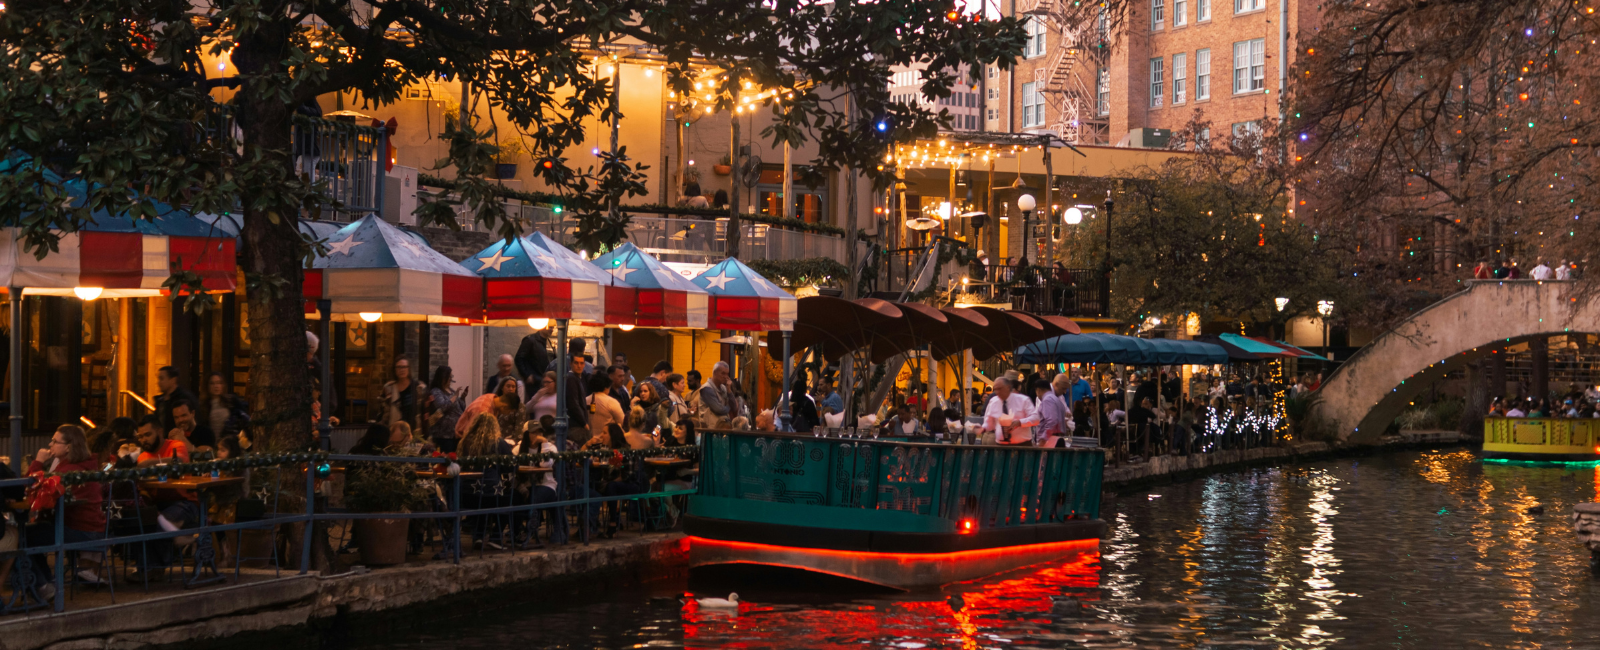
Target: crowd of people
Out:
[1508,269]
[1576,402]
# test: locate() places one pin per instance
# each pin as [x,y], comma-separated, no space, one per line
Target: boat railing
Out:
[1553,435]
[962,488]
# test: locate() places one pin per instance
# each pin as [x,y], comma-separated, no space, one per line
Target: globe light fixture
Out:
[371,316]
[538,323]
[1074,216]
[87,293]
[1026,202]
[1325,307]
[1282,302]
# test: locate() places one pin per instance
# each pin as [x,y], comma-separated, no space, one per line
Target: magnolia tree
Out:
[114,92]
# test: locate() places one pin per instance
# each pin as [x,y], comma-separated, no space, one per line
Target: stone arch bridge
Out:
[1372,388]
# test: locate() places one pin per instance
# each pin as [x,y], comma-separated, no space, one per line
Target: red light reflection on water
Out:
[990,608]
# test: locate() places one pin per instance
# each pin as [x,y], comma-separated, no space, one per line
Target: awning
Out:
[837,325]
[743,300]
[374,271]
[645,293]
[1257,347]
[523,279]
[1304,353]
[1111,348]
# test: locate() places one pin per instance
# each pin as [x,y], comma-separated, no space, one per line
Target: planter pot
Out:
[505,171]
[722,170]
[382,541]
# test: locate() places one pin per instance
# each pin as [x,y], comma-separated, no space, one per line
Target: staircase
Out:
[1069,81]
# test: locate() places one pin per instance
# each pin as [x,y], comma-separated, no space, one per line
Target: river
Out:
[1424,549]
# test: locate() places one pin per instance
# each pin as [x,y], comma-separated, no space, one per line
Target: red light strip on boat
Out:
[1078,544]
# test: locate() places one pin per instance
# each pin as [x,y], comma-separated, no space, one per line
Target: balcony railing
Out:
[1053,292]
[346,157]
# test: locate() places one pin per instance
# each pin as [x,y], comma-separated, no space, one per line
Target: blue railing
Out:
[27,595]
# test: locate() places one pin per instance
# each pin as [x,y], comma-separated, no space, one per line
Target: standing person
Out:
[658,378]
[314,372]
[1540,272]
[533,357]
[1482,271]
[1564,271]
[171,392]
[84,519]
[714,401]
[1053,405]
[503,372]
[1010,415]
[601,407]
[802,411]
[402,397]
[543,402]
[224,412]
[671,408]
[694,378]
[621,359]
[619,384]
[443,409]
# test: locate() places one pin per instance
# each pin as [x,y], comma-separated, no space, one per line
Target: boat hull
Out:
[907,561]
[1541,439]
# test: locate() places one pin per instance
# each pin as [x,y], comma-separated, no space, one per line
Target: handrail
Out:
[139,399]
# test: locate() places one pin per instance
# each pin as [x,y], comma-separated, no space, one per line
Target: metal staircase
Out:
[1069,79]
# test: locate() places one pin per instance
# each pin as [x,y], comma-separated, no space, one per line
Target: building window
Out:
[1158,81]
[1034,46]
[1202,73]
[1246,129]
[1203,139]
[1102,93]
[991,93]
[1032,106]
[1102,26]
[993,115]
[994,71]
[1180,77]
[1202,10]
[1241,6]
[1158,13]
[1180,12]
[1249,65]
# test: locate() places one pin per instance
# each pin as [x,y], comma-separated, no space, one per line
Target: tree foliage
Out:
[1210,233]
[119,93]
[1438,134]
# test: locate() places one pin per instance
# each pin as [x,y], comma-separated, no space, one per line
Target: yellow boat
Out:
[1541,439]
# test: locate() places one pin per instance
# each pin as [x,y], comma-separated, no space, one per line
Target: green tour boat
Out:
[897,514]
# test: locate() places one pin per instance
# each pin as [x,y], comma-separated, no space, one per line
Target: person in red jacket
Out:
[84,519]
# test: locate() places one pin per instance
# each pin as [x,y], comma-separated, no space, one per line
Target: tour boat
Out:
[1541,439]
[897,514]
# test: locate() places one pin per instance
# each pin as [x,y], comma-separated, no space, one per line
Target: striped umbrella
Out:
[645,293]
[743,300]
[528,278]
[375,271]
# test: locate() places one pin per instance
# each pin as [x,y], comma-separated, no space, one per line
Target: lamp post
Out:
[1325,309]
[1025,203]
[1105,264]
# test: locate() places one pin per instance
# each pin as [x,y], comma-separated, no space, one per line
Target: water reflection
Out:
[1426,549]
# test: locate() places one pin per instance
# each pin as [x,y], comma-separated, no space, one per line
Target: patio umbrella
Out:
[1235,353]
[523,280]
[1257,347]
[1304,353]
[645,293]
[374,271]
[743,300]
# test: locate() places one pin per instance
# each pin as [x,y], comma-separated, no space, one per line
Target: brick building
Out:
[1132,85]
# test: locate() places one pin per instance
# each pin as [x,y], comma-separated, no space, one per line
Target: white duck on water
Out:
[731,602]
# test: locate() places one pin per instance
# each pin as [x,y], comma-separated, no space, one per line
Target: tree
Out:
[116,92]
[1433,135]
[1211,234]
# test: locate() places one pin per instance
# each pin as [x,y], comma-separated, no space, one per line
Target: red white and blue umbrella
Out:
[375,271]
[645,293]
[529,278]
[743,300]
[121,256]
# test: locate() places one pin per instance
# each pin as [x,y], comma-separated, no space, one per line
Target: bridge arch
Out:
[1372,388]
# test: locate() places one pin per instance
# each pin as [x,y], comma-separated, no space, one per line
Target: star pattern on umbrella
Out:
[412,245]
[620,272]
[343,247]
[719,281]
[494,261]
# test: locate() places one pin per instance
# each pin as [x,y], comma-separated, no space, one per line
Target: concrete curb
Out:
[1172,469]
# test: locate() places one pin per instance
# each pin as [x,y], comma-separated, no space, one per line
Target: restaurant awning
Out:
[837,325]
[1111,348]
[1304,353]
[374,271]
[743,300]
[522,280]
[645,293]
[1257,347]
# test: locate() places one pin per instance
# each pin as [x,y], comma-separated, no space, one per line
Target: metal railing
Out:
[28,595]
[347,158]
[1216,431]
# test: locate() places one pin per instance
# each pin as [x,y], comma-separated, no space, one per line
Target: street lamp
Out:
[1074,216]
[1282,302]
[1325,309]
[1026,204]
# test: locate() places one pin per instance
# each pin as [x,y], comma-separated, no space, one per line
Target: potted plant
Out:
[377,488]
[724,166]
[506,159]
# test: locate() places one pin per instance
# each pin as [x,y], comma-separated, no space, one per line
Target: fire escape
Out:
[1073,72]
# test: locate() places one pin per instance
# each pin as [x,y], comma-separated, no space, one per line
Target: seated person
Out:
[179,509]
[68,451]
[199,436]
[904,424]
